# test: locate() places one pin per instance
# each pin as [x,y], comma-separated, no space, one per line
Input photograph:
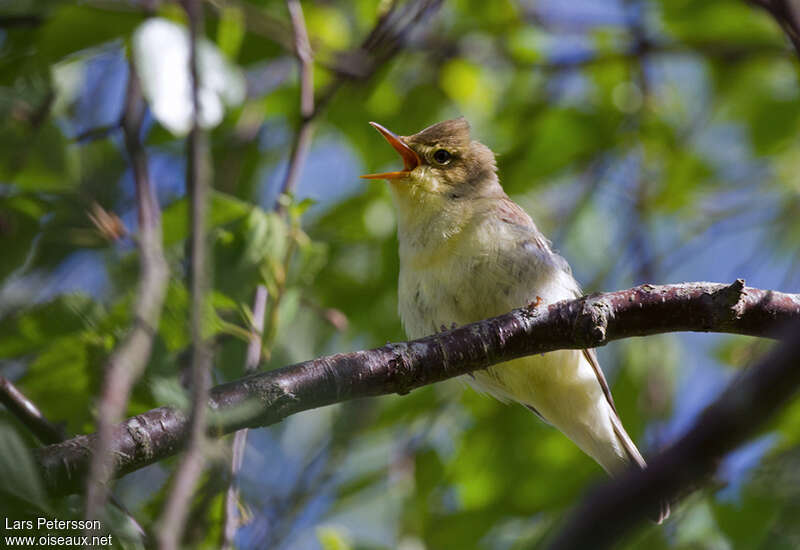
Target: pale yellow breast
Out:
[482,270]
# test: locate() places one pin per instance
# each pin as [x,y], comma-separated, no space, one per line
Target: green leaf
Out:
[71,28]
[230,30]
[35,161]
[18,470]
[63,374]
[224,210]
[35,328]
[19,217]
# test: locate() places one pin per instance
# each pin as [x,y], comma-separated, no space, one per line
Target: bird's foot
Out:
[535,303]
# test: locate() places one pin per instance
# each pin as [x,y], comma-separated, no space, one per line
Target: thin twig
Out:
[591,321]
[129,360]
[198,184]
[302,140]
[299,153]
[28,413]
[231,513]
[300,148]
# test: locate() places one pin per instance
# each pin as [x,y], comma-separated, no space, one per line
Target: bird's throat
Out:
[428,224]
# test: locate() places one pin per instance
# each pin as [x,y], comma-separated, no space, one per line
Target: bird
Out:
[468,252]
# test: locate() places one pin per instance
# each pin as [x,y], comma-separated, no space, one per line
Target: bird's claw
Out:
[535,303]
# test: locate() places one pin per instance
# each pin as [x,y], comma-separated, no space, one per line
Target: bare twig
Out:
[231,519]
[198,184]
[299,152]
[300,148]
[128,362]
[28,413]
[759,392]
[591,321]
[302,140]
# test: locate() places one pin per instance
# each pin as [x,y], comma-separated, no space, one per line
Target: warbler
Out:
[468,252]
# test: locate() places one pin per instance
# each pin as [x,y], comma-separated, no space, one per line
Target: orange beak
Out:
[410,158]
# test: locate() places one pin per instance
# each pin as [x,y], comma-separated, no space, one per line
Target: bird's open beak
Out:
[410,158]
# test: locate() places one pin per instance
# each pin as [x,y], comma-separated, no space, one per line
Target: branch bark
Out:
[587,322]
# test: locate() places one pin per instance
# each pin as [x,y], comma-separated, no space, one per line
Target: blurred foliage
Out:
[655,141]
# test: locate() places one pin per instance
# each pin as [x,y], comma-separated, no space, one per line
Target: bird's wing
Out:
[512,214]
[591,357]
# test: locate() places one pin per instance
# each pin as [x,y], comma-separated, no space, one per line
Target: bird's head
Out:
[441,160]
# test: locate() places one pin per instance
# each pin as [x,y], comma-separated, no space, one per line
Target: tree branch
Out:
[230,512]
[745,406]
[28,413]
[127,363]
[302,140]
[45,431]
[198,185]
[591,321]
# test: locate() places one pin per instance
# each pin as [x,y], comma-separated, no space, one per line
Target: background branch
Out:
[231,515]
[28,413]
[590,321]
[302,140]
[300,148]
[198,185]
[127,363]
[747,404]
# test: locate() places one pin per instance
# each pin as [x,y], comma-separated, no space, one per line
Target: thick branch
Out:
[591,321]
[733,418]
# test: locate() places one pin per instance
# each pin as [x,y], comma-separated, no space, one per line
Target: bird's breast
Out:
[459,281]
[481,267]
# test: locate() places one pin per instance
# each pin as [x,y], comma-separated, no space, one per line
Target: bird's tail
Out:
[661,513]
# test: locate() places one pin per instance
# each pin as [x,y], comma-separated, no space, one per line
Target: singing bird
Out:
[468,252]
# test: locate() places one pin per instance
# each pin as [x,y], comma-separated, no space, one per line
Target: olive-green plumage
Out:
[467,252]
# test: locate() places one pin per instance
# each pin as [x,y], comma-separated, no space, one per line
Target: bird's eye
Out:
[442,156]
